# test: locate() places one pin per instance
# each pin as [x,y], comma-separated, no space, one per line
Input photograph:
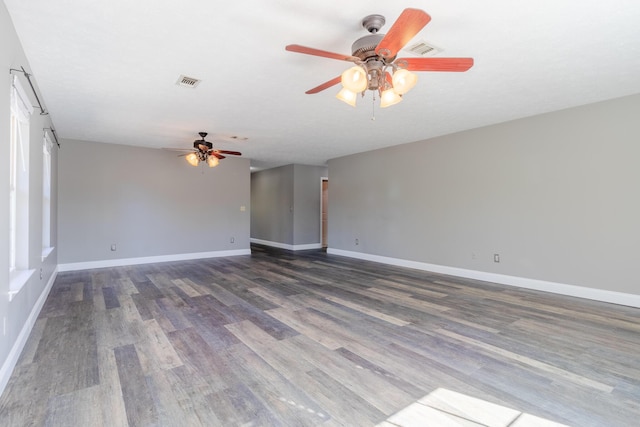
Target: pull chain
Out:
[373,108]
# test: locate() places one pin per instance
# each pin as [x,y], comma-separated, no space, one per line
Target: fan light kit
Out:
[376,67]
[203,152]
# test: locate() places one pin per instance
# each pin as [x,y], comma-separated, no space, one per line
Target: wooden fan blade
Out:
[234,153]
[216,154]
[408,24]
[317,52]
[388,78]
[435,64]
[324,85]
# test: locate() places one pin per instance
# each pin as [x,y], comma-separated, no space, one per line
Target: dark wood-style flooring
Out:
[306,338]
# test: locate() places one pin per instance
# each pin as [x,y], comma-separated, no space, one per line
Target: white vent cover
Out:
[187,81]
[423,48]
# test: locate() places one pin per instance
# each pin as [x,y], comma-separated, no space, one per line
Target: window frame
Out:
[20,115]
[47,147]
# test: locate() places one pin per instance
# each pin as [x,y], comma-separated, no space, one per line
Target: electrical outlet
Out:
[496,257]
[113,247]
[232,240]
[357,242]
[40,273]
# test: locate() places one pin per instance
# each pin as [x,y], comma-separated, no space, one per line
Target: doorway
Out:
[324,208]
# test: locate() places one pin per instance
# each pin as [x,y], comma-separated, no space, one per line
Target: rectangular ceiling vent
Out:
[187,81]
[423,48]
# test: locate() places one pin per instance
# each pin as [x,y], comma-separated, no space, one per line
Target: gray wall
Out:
[15,313]
[272,205]
[556,195]
[306,203]
[285,204]
[148,202]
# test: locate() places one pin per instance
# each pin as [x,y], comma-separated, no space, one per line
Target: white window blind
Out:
[21,111]
[47,145]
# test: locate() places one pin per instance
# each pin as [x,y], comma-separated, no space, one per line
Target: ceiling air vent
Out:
[187,81]
[423,48]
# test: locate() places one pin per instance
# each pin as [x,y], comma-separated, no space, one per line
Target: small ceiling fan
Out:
[203,151]
[376,66]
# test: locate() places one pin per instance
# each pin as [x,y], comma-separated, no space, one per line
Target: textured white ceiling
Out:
[107,69]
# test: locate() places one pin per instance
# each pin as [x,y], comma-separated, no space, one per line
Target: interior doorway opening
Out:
[324,209]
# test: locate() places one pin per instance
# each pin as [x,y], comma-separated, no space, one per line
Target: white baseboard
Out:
[149,260]
[12,359]
[620,298]
[287,246]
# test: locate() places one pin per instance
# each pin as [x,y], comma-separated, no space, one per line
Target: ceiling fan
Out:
[376,66]
[203,151]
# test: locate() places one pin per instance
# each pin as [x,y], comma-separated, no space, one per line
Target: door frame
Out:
[322,180]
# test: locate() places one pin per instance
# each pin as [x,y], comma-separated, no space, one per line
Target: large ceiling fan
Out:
[376,66]
[203,151]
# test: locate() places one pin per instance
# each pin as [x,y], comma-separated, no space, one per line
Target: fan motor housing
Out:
[365,47]
[202,145]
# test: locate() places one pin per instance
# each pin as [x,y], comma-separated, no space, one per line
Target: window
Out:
[46,194]
[21,110]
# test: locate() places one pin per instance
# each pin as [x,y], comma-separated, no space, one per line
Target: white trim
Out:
[322,180]
[46,252]
[12,359]
[149,260]
[621,298]
[286,245]
[17,280]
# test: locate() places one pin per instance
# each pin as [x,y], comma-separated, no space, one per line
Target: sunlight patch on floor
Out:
[444,408]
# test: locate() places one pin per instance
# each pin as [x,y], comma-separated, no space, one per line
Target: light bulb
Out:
[403,80]
[192,158]
[212,161]
[388,98]
[355,79]
[345,95]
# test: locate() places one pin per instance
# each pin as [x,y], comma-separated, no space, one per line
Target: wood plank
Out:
[155,351]
[138,401]
[111,401]
[288,403]
[186,288]
[374,389]
[346,407]
[77,409]
[368,311]
[110,298]
[297,322]
[578,379]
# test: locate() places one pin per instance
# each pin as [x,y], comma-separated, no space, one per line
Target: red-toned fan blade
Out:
[324,86]
[389,81]
[408,24]
[234,153]
[215,153]
[317,52]
[435,64]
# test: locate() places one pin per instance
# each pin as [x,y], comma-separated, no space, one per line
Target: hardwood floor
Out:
[306,339]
